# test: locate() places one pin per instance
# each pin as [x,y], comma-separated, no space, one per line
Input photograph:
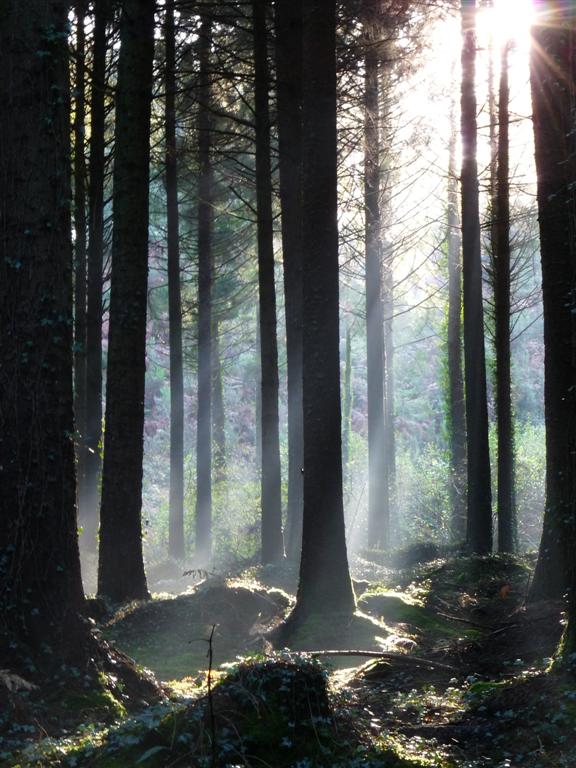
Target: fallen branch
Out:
[385,656]
[464,621]
[505,628]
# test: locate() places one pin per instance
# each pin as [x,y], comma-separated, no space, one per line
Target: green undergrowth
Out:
[263,712]
[478,576]
[469,682]
[398,608]
[96,700]
[530,718]
[94,703]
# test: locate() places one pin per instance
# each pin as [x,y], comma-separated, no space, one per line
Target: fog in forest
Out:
[287,383]
[419,105]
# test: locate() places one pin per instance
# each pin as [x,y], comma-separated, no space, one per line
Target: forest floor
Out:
[460,676]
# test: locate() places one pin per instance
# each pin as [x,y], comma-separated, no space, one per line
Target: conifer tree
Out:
[552,77]
[120,566]
[325,585]
[479,505]
[41,593]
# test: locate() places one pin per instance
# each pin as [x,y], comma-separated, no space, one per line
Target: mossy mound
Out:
[458,598]
[50,704]
[477,576]
[409,556]
[335,632]
[396,609]
[274,712]
[170,636]
[283,575]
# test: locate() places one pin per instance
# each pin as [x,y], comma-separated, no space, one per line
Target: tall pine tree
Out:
[324,585]
[479,530]
[40,585]
[553,78]
[121,568]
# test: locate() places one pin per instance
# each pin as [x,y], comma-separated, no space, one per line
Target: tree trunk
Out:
[205,226]
[176,499]
[386,184]
[121,567]
[289,101]
[501,266]
[258,403]
[40,585]
[91,501]
[271,497]
[80,245]
[389,408]
[218,415]
[552,75]
[479,505]
[456,406]
[347,415]
[324,585]
[378,481]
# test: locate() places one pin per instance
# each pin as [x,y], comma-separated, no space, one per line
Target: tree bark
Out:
[219,414]
[40,585]
[479,503]
[324,585]
[205,226]
[386,185]
[389,394]
[456,404]
[502,343]
[552,75]
[347,415]
[271,499]
[378,481]
[91,498]
[176,547]
[80,245]
[289,102]
[121,568]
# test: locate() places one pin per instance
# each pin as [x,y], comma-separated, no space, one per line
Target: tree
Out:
[501,281]
[389,389]
[347,405]
[205,228]
[121,568]
[502,343]
[378,480]
[80,242]
[289,104]
[40,585]
[272,544]
[324,584]
[552,77]
[218,412]
[90,500]
[479,504]
[456,408]
[176,500]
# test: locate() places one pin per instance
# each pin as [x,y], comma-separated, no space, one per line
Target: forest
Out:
[288,383]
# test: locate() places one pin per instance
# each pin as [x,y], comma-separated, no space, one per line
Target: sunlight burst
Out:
[507,21]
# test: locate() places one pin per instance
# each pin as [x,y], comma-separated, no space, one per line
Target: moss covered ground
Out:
[458,673]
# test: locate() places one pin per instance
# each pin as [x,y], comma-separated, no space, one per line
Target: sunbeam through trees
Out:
[288,383]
